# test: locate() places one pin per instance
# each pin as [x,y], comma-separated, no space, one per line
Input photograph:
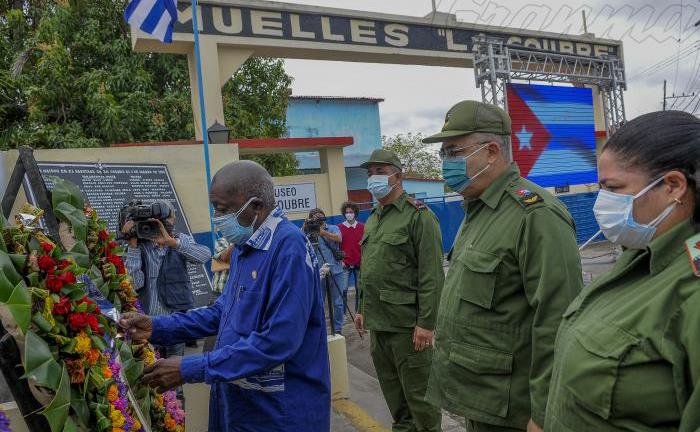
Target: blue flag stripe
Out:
[155,17]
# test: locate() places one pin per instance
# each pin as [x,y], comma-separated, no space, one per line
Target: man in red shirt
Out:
[352,232]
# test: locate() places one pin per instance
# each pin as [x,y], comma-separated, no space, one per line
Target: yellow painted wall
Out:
[186,166]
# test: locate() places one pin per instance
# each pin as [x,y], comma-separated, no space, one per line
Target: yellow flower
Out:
[118,429]
[112,393]
[125,284]
[83,343]
[149,357]
[137,425]
[169,422]
[107,372]
[117,418]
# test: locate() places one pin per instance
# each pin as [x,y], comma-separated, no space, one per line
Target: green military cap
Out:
[382,156]
[468,117]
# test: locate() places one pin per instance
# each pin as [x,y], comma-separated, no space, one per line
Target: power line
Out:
[663,64]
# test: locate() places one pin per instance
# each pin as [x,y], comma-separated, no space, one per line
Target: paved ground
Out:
[366,410]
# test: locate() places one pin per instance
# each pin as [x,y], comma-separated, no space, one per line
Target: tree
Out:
[68,78]
[417,158]
[255,106]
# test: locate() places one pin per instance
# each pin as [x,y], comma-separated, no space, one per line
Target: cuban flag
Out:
[155,17]
[553,134]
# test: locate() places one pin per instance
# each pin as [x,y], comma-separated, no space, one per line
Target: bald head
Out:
[248,179]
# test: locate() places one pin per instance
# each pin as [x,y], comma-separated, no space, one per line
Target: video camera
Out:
[141,214]
[312,228]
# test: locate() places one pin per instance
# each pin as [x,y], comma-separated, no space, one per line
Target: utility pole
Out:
[664,95]
[435,7]
[585,24]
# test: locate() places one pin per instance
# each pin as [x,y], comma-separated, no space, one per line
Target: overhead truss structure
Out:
[496,64]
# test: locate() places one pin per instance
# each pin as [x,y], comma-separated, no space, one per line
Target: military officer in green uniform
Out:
[627,354]
[514,268]
[402,276]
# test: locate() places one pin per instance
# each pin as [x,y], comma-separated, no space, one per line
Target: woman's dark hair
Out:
[659,142]
[349,204]
[314,212]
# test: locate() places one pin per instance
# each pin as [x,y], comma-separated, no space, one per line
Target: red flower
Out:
[62,307]
[46,263]
[103,235]
[118,263]
[64,264]
[53,283]
[67,278]
[89,302]
[112,245]
[78,321]
[92,322]
[47,247]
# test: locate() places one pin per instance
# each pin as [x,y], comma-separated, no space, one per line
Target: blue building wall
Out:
[422,189]
[333,117]
[450,215]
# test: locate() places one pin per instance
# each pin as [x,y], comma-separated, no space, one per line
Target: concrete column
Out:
[217,67]
[332,164]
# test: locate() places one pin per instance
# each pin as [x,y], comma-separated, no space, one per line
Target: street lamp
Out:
[218,133]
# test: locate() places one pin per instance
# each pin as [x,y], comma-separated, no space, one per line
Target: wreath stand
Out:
[10,360]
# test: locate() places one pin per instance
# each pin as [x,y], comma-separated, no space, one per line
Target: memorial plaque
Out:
[109,186]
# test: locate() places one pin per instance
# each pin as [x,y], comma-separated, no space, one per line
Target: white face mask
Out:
[350,217]
[614,213]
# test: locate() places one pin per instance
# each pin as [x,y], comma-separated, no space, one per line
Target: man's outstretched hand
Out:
[138,327]
[164,374]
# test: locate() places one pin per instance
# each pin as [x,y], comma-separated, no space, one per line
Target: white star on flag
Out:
[524,137]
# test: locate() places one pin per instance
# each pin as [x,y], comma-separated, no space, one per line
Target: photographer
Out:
[326,240]
[158,264]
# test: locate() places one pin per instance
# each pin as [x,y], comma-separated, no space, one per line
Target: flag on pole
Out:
[155,17]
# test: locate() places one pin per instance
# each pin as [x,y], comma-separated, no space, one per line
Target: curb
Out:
[357,416]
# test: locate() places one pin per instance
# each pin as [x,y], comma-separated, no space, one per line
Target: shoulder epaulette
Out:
[525,197]
[418,204]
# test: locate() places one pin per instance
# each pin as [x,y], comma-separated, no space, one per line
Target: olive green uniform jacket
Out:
[402,272]
[628,350]
[514,268]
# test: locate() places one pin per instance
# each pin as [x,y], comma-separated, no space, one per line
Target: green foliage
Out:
[417,158]
[69,79]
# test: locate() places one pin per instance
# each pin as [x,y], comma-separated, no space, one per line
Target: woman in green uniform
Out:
[627,354]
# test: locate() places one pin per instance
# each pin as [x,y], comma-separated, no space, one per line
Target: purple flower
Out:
[4,423]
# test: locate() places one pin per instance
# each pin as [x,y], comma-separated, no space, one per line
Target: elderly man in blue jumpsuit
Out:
[269,370]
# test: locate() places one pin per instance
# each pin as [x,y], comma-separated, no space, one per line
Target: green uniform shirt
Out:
[514,269]
[402,271]
[628,349]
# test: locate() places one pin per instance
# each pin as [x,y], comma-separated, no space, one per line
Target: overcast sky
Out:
[417,97]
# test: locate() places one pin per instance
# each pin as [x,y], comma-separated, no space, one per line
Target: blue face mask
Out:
[378,185]
[454,171]
[227,226]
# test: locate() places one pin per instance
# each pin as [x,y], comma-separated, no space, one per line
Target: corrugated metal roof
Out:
[348,98]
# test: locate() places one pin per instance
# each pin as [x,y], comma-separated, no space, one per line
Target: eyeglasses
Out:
[456,151]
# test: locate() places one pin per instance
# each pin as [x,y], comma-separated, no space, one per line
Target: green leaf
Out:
[66,192]
[70,347]
[39,363]
[99,342]
[41,322]
[6,288]
[74,292]
[80,406]
[56,412]
[133,371]
[81,254]
[70,425]
[33,279]
[8,267]
[19,260]
[20,306]
[74,217]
